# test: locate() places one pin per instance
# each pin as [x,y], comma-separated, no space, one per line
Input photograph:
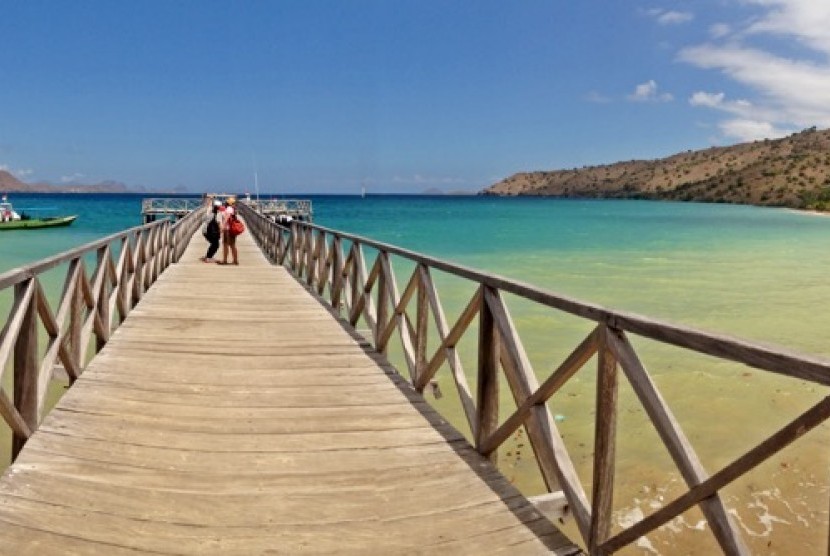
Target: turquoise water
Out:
[750,272]
[753,272]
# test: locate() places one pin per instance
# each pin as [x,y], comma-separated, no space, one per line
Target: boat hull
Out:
[36,223]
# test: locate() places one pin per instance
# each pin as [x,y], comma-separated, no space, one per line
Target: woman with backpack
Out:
[229,239]
[212,233]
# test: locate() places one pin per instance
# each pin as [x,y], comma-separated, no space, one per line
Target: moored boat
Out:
[32,223]
[11,220]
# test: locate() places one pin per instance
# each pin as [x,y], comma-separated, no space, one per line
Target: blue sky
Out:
[323,96]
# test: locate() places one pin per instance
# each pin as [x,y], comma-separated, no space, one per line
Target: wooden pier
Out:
[232,413]
[276,209]
[237,410]
[168,207]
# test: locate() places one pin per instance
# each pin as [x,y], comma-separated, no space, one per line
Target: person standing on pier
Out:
[212,232]
[228,239]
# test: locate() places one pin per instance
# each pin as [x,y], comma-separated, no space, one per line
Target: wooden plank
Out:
[304,440]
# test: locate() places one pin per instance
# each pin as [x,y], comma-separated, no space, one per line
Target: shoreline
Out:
[810,212]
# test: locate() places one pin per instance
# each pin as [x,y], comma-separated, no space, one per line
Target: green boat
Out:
[33,223]
[11,220]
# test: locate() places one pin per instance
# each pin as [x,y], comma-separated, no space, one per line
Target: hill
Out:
[10,184]
[791,172]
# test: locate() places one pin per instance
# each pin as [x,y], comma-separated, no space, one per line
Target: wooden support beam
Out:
[604,445]
[25,362]
[586,349]
[549,448]
[794,430]
[446,351]
[487,403]
[679,447]
[421,323]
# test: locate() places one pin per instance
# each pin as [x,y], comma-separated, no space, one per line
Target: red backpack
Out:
[236,227]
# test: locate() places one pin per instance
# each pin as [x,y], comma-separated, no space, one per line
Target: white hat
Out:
[217,203]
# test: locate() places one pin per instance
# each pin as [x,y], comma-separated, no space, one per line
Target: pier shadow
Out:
[514,501]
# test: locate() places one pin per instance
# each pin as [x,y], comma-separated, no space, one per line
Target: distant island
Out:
[10,184]
[456,192]
[790,172]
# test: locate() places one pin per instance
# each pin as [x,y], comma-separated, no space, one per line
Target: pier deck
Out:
[231,413]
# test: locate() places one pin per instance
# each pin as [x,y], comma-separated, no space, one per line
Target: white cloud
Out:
[647,92]
[71,178]
[787,92]
[670,17]
[750,130]
[702,98]
[790,91]
[719,30]
[806,20]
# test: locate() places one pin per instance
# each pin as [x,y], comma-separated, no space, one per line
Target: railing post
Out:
[337,274]
[103,307]
[309,255]
[295,245]
[356,288]
[382,320]
[26,363]
[76,318]
[421,322]
[604,445]
[488,380]
[138,268]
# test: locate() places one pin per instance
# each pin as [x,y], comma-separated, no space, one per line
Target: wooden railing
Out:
[90,305]
[296,208]
[316,255]
[170,205]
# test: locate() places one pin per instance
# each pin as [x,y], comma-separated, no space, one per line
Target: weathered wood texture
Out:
[500,349]
[87,307]
[231,413]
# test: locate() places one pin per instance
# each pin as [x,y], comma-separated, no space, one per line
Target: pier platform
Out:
[232,413]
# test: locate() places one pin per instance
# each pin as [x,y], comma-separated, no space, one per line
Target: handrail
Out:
[171,204]
[316,256]
[91,305]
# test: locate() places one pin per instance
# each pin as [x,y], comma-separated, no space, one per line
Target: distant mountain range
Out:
[10,184]
[790,172]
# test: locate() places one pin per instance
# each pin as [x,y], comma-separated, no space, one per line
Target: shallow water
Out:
[750,272]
